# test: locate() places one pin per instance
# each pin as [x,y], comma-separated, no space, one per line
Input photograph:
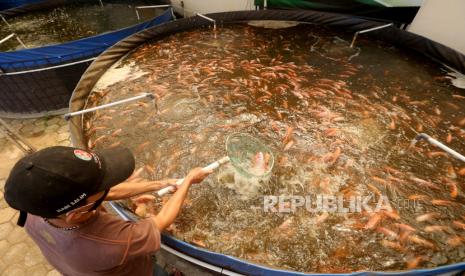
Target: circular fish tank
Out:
[48,45]
[349,192]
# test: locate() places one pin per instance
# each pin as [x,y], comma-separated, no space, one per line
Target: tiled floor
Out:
[19,254]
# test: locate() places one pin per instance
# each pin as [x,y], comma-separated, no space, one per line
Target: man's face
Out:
[90,203]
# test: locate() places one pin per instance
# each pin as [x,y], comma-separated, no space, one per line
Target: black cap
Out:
[56,180]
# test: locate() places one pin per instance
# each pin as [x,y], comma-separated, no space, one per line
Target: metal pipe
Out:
[4,20]
[16,139]
[72,114]
[150,7]
[368,30]
[209,19]
[426,137]
[20,41]
[47,68]
[11,36]
[8,37]
[153,7]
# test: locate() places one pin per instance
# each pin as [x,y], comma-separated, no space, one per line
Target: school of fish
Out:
[339,122]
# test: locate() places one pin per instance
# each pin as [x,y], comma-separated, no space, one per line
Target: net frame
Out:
[242,147]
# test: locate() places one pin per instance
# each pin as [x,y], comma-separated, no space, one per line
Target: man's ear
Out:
[72,217]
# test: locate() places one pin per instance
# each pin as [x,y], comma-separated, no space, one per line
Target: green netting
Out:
[242,149]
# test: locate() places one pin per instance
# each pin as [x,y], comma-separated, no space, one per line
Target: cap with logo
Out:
[56,180]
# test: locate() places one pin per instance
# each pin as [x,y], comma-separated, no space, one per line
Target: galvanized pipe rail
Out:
[84,111]
[11,36]
[4,20]
[16,139]
[151,7]
[427,138]
[209,19]
[368,30]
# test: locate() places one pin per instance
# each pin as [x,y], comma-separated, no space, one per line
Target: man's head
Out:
[54,181]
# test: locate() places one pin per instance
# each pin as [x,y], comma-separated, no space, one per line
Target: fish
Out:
[288,136]
[461,171]
[405,227]
[374,220]
[427,217]
[259,165]
[288,145]
[436,228]
[419,197]
[116,132]
[458,224]
[393,245]
[387,232]
[414,262]
[455,241]
[420,241]
[422,182]
[442,202]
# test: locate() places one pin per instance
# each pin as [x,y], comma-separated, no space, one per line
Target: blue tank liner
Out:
[85,48]
[39,82]
[9,4]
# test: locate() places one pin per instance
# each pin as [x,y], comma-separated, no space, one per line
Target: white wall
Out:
[442,21]
[209,6]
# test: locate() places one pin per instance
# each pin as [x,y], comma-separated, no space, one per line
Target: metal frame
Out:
[16,139]
[152,7]
[8,37]
[142,96]
[368,30]
[209,19]
[4,20]
[47,68]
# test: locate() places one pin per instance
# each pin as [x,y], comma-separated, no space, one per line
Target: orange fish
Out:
[427,216]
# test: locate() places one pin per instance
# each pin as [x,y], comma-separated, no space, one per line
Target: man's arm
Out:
[132,188]
[170,210]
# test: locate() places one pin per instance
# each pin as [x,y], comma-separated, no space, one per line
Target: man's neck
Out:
[62,223]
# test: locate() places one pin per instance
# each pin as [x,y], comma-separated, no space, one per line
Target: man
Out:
[58,192]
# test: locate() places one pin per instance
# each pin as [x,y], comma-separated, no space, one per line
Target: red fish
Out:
[259,164]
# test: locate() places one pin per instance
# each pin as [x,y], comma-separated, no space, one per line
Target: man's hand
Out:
[170,209]
[197,175]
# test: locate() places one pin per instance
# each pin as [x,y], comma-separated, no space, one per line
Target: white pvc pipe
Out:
[48,68]
[439,145]
[72,114]
[209,19]
[8,37]
[213,166]
[153,7]
[149,7]
[368,30]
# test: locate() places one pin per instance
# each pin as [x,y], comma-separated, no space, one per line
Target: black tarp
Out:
[369,9]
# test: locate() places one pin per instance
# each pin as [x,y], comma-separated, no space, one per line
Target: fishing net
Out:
[249,156]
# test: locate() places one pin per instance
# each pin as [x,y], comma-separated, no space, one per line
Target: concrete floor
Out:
[19,254]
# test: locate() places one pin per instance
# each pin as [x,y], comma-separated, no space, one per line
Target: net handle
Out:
[213,166]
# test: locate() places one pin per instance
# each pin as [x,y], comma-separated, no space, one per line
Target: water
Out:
[71,22]
[339,122]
